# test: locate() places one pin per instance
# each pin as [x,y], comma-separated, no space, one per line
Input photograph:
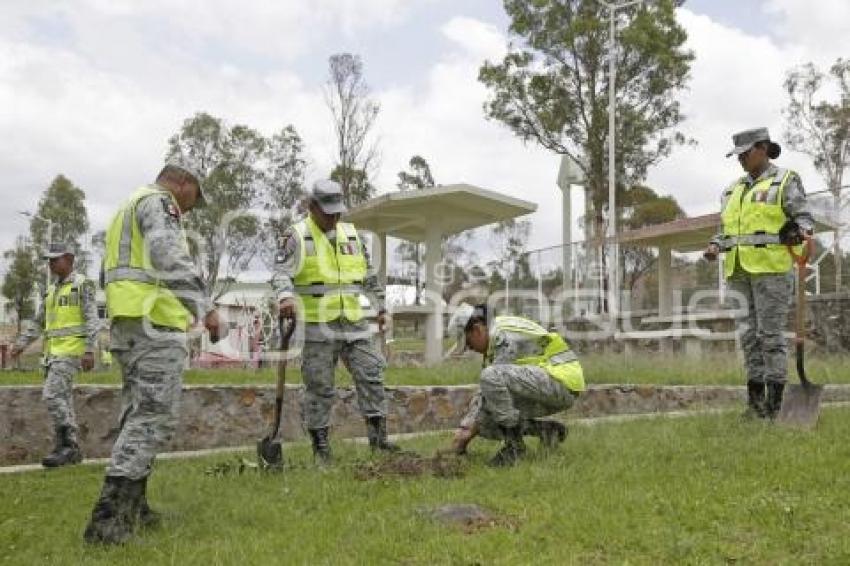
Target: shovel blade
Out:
[270,453]
[801,406]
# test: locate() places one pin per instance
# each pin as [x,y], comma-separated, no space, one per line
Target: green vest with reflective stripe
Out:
[64,325]
[557,359]
[133,289]
[751,222]
[330,278]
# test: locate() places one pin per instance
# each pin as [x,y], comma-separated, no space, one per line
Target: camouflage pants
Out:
[58,393]
[152,372]
[763,330]
[364,363]
[511,394]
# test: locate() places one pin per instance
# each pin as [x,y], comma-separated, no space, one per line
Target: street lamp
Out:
[613,263]
[49,237]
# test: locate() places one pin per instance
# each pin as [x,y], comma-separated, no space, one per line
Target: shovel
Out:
[801,405]
[269,450]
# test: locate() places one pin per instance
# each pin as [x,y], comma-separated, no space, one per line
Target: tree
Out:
[353,113]
[552,90]
[509,240]
[228,157]
[355,184]
[63,204]
[643,207]
[419,177]
[821,130]
[20,280]
[284,181]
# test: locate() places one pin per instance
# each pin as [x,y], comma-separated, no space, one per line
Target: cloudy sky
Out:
[93,88]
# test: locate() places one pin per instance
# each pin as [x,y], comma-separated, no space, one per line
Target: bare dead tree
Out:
[353,112]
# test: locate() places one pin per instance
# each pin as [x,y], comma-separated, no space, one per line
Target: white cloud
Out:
[819,28]
[97,94]
[445,123]
[736,84]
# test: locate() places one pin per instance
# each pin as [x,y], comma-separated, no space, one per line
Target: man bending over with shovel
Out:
[530,373]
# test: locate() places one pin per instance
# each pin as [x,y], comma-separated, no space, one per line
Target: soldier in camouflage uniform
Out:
[756,209]
[530,373]
[67,316]
[322,269]
[153,295]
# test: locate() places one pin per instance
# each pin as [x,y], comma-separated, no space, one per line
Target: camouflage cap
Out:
[745,140]
[461,315]
[57,249]
[187,167]
[328,195]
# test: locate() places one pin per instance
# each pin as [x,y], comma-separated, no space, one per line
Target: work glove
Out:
[791,234]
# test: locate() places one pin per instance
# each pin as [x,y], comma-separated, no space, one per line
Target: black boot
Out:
[774,399]
[550,433]
[147,516]
[376,430]
[512,450]
[755,401]
[114,515]
[321,446]
[66,451]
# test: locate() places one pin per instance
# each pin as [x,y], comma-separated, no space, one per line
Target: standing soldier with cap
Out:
[761,213]
[530,373]
[67,316]
[323,263]
[153,293]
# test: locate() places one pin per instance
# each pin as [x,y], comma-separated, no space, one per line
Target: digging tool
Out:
[801,404]
[269,450]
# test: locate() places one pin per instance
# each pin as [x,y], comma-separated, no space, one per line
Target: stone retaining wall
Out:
[216,416]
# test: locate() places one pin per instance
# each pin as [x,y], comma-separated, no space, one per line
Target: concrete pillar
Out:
[665,265]
[567,234]
[381,244]
[434,288]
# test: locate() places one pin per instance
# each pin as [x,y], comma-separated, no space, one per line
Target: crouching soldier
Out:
[529,373]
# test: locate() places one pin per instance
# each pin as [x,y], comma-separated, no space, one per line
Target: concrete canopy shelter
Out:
[690,235]
[427,216]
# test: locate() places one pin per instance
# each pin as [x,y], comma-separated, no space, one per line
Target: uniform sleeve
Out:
[34,329]
[371,285]
[505,349]
[796,206]
[88,304]
[159,225]
[286,266]
[473,411]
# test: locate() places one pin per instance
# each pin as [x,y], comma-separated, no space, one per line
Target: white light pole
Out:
[613,261]
[49,237]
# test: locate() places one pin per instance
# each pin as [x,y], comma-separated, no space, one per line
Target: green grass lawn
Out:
[708,489]
[657,369]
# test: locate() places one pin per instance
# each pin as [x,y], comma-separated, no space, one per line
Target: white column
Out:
[567,234]
[665,261]
[434,288]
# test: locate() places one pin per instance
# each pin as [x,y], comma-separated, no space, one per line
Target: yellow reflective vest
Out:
[330,278]
[751,222]
[557,359]
[133,288]
[64,325]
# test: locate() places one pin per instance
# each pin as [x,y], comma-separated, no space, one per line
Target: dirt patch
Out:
[410,465]
[469,517]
